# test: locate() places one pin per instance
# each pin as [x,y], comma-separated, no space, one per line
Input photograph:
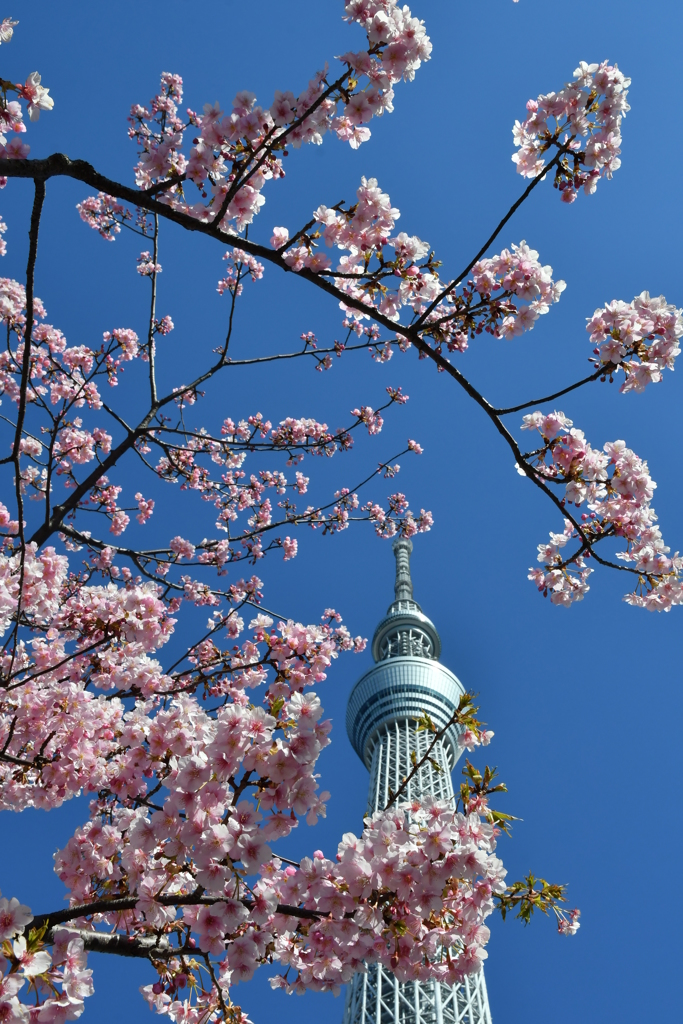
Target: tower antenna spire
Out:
[403,587]
[405,630]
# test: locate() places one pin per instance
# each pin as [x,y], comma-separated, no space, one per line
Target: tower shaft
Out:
[377,997]
[381,722]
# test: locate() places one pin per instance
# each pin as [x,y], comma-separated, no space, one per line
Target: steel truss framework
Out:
[391,764]
[376,996]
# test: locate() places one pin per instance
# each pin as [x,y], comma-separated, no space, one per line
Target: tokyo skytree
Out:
[407,680]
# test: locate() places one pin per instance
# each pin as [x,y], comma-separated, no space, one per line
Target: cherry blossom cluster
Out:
[25,962]
[570,924]
[519,274]
[91,641]
[641,337]
[389,522]
[193,783]
[233,493]
[146,265]
[60,375]
[401,39]
[563,581]
[617,488]
[591,108]
[412,893]
[62,379]
[104,214]
[234,154]
[105,636]
[505,296]
[250,138]
[7,27]
[208,756]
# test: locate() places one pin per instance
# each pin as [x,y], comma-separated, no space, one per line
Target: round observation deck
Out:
[397,689]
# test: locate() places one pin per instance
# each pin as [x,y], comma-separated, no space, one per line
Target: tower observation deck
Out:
[407,680]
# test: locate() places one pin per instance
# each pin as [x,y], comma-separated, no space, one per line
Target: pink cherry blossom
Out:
[14,917]
[146,506]
[290,546]
[30,963]
[36,95]
[183,548]
[7,29]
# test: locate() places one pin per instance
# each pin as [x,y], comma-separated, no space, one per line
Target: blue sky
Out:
[586,703]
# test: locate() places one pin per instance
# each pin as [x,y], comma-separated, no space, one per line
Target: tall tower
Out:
[407,680]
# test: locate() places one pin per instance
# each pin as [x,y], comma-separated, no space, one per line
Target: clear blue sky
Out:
[586,703]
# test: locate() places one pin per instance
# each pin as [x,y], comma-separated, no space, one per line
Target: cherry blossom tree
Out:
[198,764]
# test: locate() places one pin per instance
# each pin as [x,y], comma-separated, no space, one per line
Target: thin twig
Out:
[453,720]
[601,371]
[152,316]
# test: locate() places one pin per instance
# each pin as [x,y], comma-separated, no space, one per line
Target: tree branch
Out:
[601,371]
[60,165]
[121,904]
[279,141]
[148,946]
[38,200]
[152,316]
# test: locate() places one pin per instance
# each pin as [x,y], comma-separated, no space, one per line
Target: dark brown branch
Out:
[600,372]
[59,512]
[152,315]
[119,905]
[39,762]
[38,200]
[218,989]
[146,946]
[60,165]
[162,186]
[529,471]
[315,352]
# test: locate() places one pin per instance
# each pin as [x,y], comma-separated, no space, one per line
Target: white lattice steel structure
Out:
[406,680]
